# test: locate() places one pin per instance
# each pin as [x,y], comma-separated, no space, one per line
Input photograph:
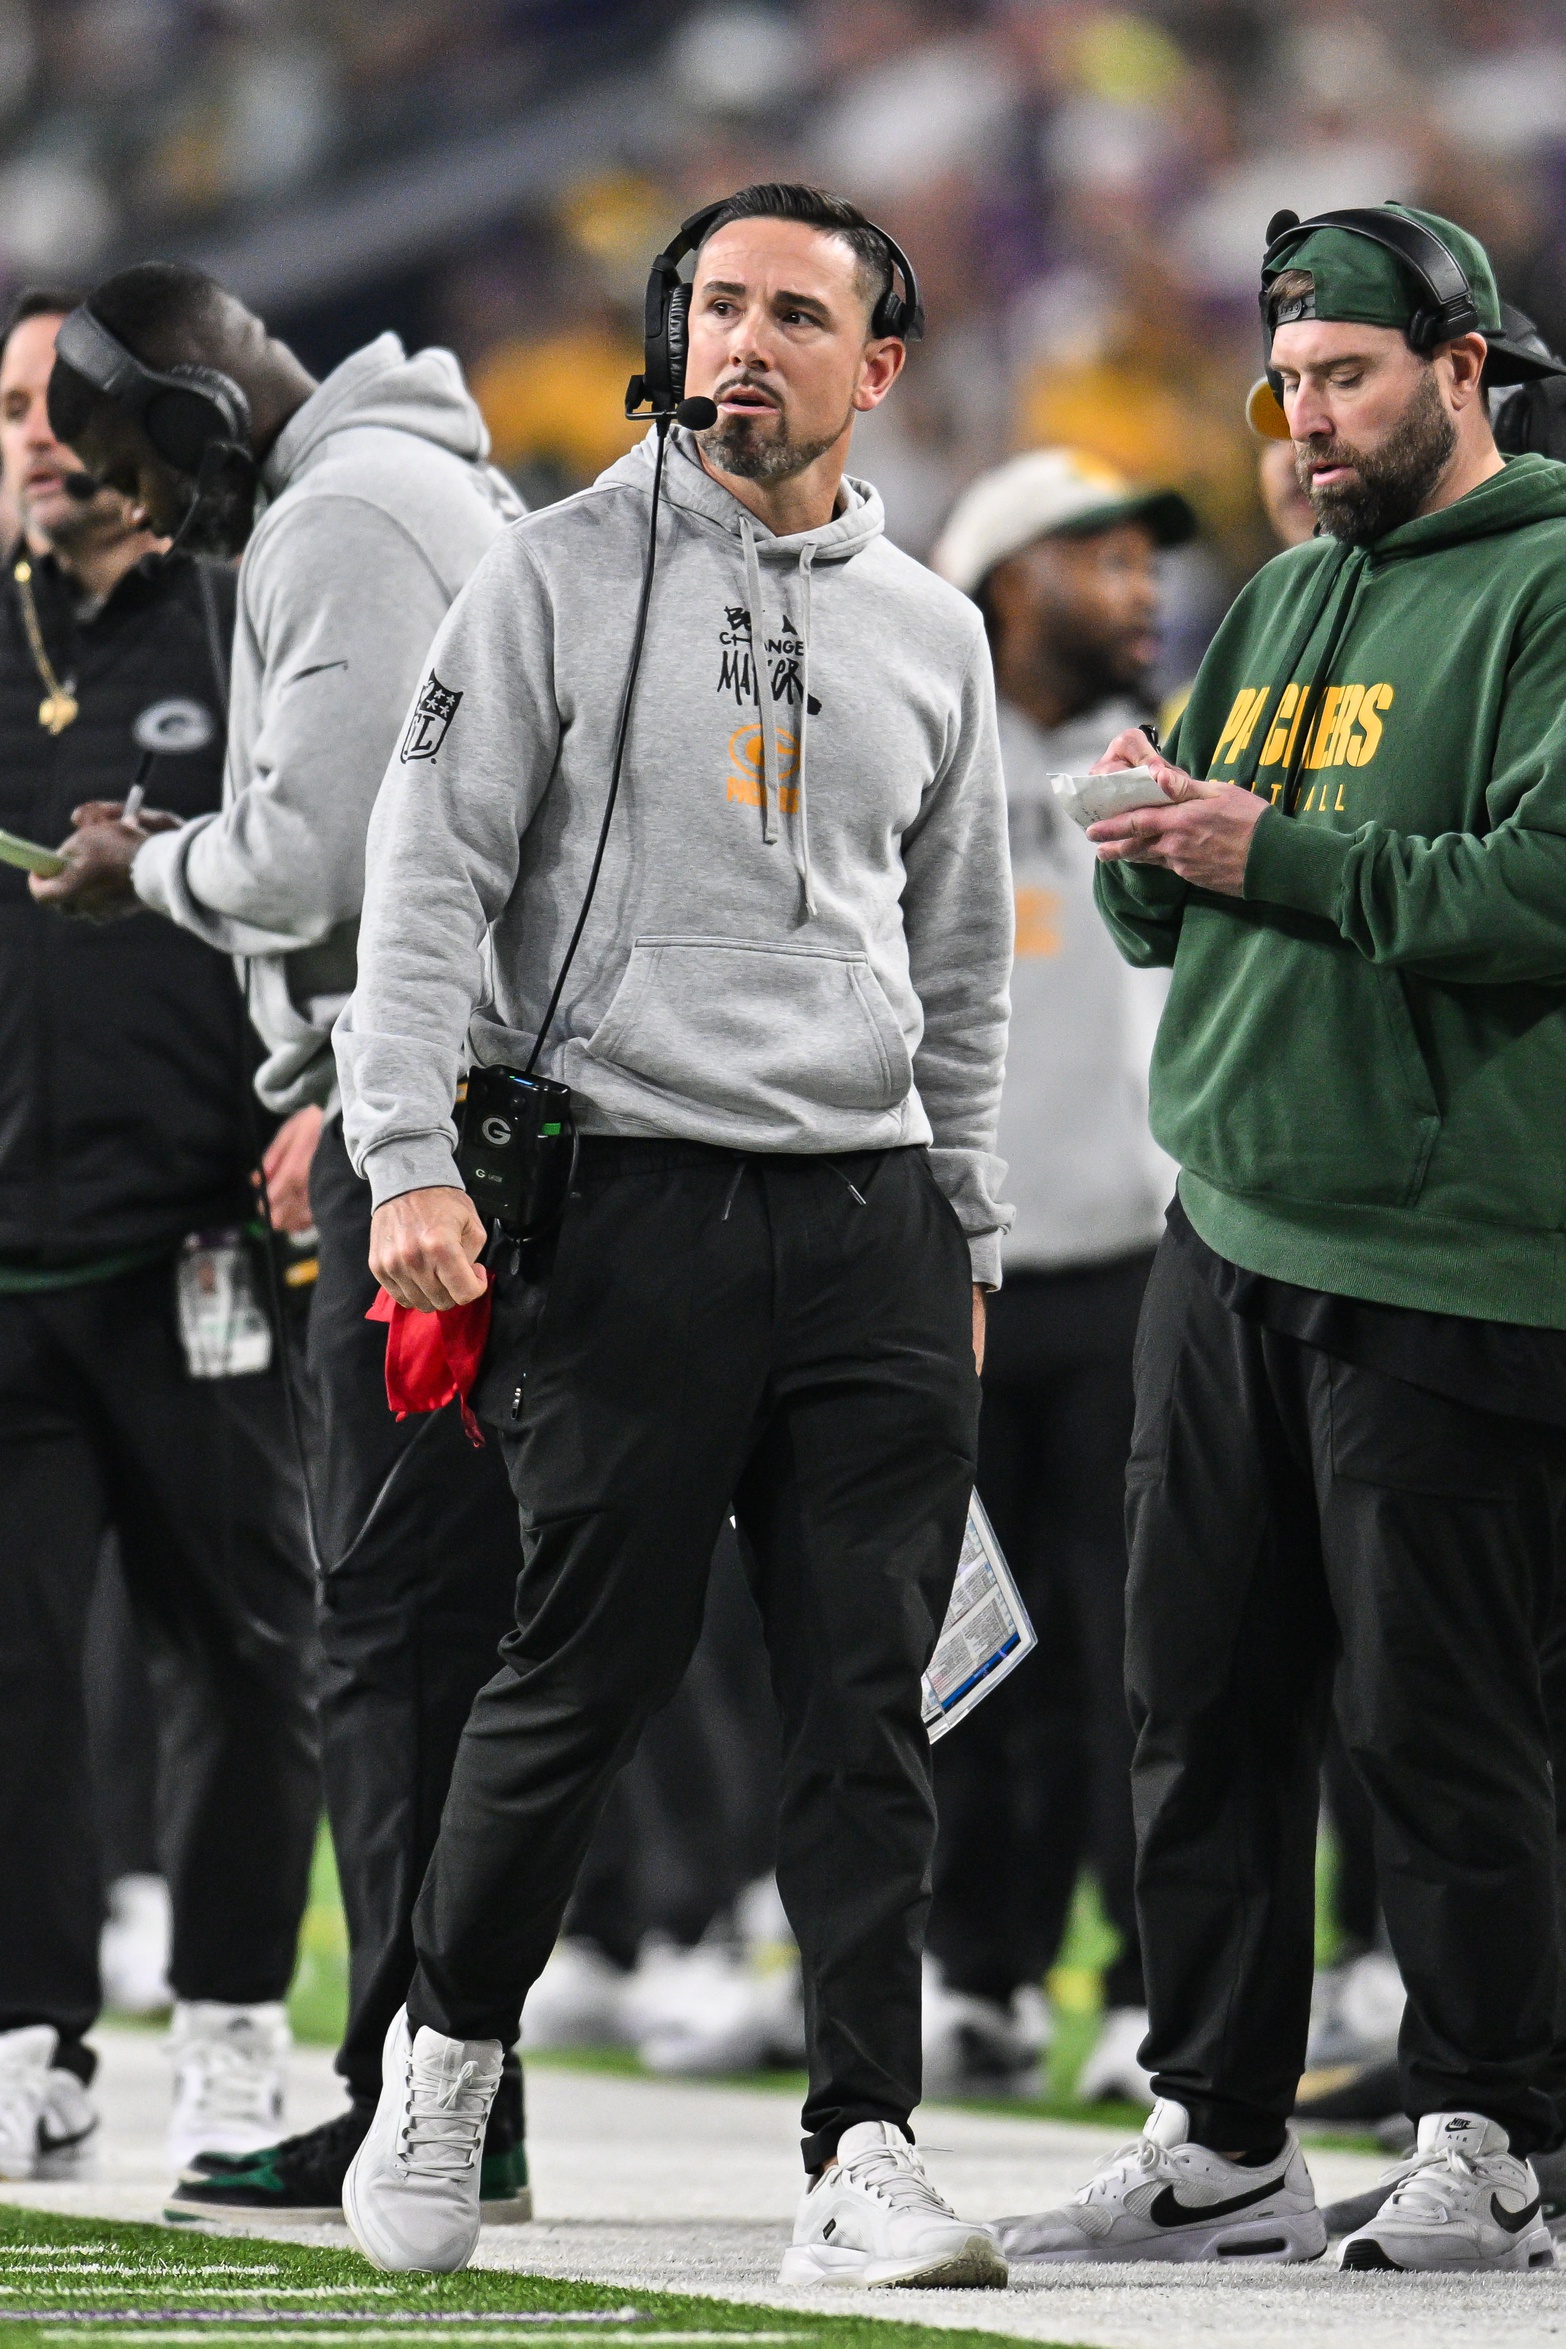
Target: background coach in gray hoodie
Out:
[784,1034]
[375,504]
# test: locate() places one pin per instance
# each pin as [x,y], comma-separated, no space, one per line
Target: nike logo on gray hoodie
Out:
[802,936]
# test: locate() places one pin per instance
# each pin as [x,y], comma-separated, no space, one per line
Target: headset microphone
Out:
[666,322]
[81,486]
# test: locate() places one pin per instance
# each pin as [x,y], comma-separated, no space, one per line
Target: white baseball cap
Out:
[1045,492]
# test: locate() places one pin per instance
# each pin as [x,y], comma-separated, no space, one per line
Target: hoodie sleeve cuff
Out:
[1297,864]
[984,1252]
[413,1162]
[152,870]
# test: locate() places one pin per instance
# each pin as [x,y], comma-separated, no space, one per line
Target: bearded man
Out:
[1351,1392]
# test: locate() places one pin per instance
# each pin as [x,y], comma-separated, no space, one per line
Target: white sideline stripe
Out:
[233,2291]
[189,2340]
[154,2268]
[351,2317]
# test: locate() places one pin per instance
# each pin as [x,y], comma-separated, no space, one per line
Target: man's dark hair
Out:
[164,312]
[834,215]
[37,301]
[1289,287]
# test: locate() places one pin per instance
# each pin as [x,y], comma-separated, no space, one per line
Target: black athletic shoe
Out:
[301,2180]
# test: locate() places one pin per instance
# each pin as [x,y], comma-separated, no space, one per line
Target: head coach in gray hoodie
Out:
[783,1037]
[362,505]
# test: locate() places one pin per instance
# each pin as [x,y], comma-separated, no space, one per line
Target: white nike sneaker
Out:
[1165,2198]
[229,2064]
[66,2121]
[411,2196]
[873,2218]
[1114,2067]
[1466,2201]
[25,2058]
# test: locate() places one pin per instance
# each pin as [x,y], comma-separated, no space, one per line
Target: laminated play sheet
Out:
[986,1633]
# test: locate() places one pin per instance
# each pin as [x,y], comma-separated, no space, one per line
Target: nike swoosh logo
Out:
[1514,2221]
[1167,2210]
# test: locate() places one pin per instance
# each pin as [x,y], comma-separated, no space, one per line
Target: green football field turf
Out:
[86,2284]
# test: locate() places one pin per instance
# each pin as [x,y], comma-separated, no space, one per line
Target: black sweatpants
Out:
[714,1333]
[1285,1508]
[101,1426]
[419,1542]
[1037,1782]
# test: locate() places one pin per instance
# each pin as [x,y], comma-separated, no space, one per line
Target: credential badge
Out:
[432,716]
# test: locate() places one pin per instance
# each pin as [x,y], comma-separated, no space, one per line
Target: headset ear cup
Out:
[678,333]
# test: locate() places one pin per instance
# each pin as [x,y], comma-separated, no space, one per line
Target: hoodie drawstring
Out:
[807,556]
[766,708]
[766,711]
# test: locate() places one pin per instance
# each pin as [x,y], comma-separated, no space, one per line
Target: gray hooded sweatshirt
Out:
[381,503]
[802,933]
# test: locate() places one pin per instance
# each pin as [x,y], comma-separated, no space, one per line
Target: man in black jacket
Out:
[136,1389]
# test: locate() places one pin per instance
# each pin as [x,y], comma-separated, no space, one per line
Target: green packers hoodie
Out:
[1362,1066]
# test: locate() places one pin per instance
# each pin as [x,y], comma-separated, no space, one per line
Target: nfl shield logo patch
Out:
[432,715]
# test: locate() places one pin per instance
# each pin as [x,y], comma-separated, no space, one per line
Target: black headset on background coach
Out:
[517,1141]
[1519,362]
[666,322]
[196,418]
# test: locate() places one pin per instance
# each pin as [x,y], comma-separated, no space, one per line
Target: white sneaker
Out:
[873,2218]
[25,2059]
[134,1946]
[1165,2198]
[576,2000]
[978,2046]
[1466,2201]
[229,2064]
[706,2011]
[67,2120]
[411,2196]
[1114,2068]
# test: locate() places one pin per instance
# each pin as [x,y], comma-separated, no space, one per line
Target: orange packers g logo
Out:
[745,768]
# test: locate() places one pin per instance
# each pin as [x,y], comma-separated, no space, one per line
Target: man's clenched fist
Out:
[425,1247]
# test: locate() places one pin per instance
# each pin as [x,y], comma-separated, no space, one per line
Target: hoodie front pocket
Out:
[743,1027]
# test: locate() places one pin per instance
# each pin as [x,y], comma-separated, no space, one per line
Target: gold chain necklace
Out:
[59,706]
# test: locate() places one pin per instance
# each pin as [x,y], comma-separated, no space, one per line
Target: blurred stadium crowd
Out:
[1085,187]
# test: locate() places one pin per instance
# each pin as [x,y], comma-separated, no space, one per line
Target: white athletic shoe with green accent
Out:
[873,2219]
[411,2195]
[1465,2201]
[1165,2198]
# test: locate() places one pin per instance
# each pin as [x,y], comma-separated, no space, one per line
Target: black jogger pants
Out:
[789,1338]
[421,1556]
[101,1425]
[1286,1508]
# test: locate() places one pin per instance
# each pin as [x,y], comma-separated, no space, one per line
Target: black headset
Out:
[665,334]
[184,411]
[1451,310]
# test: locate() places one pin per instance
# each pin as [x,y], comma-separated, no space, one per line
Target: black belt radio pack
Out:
[516,1149]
